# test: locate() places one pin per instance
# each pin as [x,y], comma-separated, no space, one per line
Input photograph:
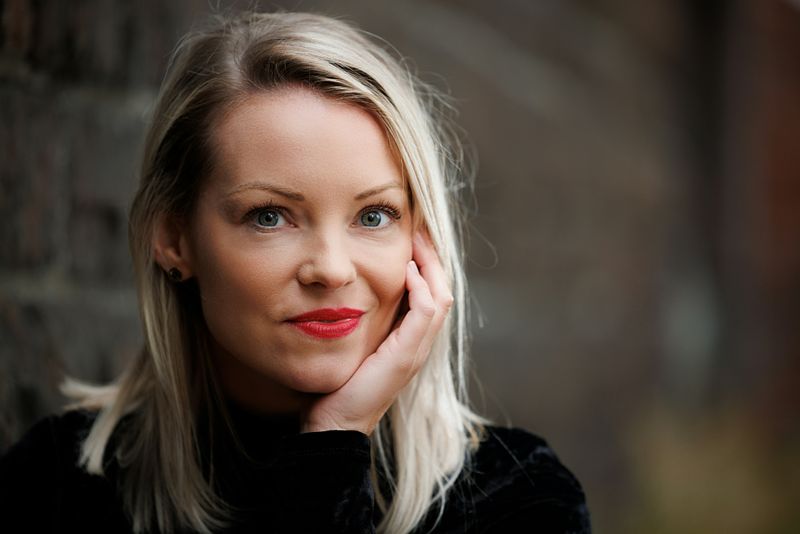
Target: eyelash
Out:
[389,209]
[269,205]
[386,207]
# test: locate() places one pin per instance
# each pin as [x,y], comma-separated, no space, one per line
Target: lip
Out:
[329,314]
[328,323]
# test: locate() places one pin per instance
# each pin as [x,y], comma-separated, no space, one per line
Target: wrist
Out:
[306,428]
[329,425]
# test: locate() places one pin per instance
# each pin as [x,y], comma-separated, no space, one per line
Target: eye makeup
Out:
[251,215]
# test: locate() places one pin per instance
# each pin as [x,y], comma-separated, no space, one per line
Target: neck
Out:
[255,392]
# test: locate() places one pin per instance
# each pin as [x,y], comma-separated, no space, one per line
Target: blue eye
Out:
[379,215]
[269,218]
[374,218]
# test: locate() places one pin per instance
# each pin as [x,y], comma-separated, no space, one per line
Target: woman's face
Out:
[306,210]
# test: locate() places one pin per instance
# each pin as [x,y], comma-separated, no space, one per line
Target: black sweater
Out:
[312,482]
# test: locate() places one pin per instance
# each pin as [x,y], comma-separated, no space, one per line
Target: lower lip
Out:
[327,330]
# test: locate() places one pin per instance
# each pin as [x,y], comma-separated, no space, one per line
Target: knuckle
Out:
[406,365]
[428,309]
[447,302]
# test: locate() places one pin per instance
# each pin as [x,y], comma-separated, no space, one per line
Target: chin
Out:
[323,379]
[323,385]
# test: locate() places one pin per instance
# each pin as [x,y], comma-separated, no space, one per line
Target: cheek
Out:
[252,274]
[236,275]
[387,274]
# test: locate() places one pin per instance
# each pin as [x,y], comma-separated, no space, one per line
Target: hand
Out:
[361,402]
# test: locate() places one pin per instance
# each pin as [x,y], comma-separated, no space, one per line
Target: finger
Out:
[437,281]
[431,269]
[403,352]
[421,308]
[402,347]
[402,310]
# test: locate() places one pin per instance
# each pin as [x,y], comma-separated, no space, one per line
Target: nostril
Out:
[327,271]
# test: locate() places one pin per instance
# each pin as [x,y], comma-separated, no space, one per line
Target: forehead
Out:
[297,138]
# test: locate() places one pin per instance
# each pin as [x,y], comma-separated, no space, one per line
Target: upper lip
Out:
[328,314]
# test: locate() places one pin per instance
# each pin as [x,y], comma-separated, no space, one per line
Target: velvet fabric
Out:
[291,482]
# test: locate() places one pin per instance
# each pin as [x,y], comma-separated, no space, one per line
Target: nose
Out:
[328,264]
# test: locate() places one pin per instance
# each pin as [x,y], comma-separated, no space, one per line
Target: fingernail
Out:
[413,266]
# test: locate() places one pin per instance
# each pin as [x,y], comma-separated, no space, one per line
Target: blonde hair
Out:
[423,441]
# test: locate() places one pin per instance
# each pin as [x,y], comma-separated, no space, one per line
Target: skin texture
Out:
[307,208]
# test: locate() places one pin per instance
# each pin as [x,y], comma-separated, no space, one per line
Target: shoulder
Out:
[518,482]
[523,457]
[39,474]
[55,437]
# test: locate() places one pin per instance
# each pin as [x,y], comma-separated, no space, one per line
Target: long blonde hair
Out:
[422,442]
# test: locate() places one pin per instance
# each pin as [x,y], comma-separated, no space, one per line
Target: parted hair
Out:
[424,441]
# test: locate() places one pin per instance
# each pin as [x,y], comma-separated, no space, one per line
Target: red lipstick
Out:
[328,323]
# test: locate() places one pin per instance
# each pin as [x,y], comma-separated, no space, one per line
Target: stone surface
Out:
[615,253]
[570,115]
[32,179]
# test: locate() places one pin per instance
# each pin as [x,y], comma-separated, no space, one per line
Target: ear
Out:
[171,245]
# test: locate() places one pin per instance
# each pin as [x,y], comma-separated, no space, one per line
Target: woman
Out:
[304,308]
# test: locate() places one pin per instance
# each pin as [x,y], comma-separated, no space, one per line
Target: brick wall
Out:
[76,81]
[569,107]
[603,253]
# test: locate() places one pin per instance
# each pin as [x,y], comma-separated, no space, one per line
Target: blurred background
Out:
[634,253]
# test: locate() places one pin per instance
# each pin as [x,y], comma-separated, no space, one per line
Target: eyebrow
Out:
[288,193]
[294,195]
[379,189]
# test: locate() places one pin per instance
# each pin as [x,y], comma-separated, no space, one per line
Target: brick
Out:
[31,179]
[30,368]
[97,332]
[17,27]
[80,41]
[113,43]
[105,142]
[104,159]
[98,246]
[87,335]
